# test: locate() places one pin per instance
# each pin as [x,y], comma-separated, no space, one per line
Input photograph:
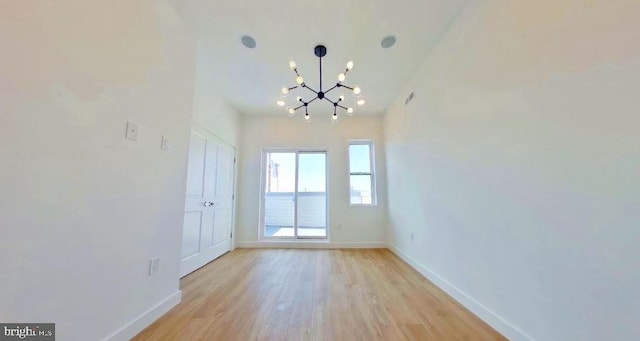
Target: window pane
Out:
[359,158]
[361,189]
[312,196]
[279,201]
[312,172]
[280,172]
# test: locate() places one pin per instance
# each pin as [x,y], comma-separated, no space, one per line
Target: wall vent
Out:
[406,101]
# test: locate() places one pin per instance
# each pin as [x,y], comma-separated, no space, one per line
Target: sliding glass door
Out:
[311,198]
[295,194]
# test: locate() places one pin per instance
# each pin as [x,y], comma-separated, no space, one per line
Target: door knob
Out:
[208,203]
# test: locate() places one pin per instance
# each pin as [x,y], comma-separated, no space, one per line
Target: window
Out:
[361,174]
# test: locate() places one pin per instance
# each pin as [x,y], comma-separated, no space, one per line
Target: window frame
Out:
[372,170]
[262,237]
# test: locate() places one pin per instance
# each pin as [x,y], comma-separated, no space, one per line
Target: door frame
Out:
[263,183]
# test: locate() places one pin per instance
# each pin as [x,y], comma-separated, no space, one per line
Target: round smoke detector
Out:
[248,42]
[388,41]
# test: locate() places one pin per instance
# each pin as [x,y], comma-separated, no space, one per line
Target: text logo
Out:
[28,331]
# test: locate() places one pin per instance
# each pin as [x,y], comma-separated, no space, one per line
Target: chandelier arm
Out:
[335,86]
[306,86]
[345,108]
[332,102]
[296,71]
[298,107]
[345,86]
[312,100]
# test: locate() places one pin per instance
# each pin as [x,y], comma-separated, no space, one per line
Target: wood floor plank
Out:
[291,294]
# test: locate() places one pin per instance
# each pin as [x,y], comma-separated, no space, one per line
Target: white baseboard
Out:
[507,329]
[145,319]
[303,244]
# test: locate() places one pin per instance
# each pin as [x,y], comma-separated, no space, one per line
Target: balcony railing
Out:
[312,209]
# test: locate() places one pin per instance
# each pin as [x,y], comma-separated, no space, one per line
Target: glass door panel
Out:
[311,201]
[279,195]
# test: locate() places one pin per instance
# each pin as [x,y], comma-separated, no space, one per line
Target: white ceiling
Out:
[250,79]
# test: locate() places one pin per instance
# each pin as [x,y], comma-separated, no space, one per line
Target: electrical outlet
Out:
[154,265]
[132,131]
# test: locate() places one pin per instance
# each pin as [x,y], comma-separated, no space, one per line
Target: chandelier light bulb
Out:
[298,98]
[341,98]
[307,117]
[341,77]
[334,117]
[285,90]
[299,80]
[357,90]
[292,65]
[349,65]
[349,110]
[361,102]
[291,112]
[280,103]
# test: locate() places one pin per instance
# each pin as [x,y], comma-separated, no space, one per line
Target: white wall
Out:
[209,109]
[82,209]
[516,166]
[347,224]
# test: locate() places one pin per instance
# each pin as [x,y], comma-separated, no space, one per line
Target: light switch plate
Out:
[165,145]
[132,131]
[154,265]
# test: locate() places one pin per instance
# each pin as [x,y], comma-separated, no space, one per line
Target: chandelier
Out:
[320,94]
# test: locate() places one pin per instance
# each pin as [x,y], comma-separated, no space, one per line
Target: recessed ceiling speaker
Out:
[248,42]
[388,41]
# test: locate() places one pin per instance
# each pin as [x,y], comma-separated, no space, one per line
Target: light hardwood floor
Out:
[292,294]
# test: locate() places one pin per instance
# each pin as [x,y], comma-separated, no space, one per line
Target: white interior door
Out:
[223,199]
[208,208]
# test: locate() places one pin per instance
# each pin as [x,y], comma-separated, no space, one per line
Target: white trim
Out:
[203,130]
[307,244]
[506,328]
[141,322]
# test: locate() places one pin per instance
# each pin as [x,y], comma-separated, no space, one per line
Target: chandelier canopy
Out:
[320,94]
